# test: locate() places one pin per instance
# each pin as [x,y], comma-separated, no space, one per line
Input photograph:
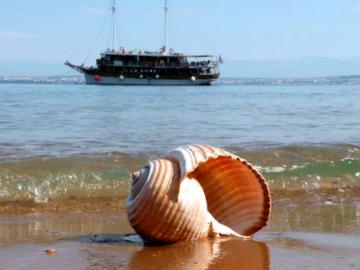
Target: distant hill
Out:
[34,69]
[288,68]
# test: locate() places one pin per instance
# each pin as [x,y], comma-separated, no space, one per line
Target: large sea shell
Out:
[195,192]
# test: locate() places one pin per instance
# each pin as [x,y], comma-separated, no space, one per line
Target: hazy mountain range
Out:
[302,67]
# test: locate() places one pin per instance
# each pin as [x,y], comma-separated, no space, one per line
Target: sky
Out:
[48,31]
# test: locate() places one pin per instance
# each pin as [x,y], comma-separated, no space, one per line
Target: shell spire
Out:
[198,191]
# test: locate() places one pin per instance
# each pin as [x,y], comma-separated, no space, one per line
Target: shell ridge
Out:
[156,205]
[140,206]
[183,206]
[194,215]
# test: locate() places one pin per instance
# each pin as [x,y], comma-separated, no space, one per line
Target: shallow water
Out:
[333,169]
[61,141]
[71,119]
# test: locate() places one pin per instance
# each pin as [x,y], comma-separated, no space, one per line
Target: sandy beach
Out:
[95,234]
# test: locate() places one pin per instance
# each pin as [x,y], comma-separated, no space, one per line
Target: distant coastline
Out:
[42,79]
[328,80]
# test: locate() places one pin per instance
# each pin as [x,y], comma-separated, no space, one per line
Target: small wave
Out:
[320,175]
[321,168]
[272,169]
[57,186]
[42,179]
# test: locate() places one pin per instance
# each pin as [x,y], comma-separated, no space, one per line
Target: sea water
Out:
[81,140]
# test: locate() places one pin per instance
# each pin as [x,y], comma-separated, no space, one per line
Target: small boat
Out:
[164,67]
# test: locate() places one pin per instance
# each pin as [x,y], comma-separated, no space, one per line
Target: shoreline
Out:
[95,235]
[351,80]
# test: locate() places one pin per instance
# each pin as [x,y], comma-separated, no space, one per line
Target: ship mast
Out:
[113,10]
[166,41]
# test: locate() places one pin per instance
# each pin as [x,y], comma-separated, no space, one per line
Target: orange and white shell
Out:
[197,191]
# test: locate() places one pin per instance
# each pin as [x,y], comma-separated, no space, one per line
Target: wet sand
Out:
[95,234]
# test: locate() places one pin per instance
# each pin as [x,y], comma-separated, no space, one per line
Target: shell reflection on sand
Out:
[216,254]
[195,192]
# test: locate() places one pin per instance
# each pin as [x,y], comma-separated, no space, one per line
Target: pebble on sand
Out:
[51,252]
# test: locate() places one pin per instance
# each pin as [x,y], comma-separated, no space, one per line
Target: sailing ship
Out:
[164,67]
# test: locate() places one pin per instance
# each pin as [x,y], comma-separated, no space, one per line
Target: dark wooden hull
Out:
[143,76]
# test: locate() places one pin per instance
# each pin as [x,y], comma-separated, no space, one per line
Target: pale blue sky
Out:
[53,31]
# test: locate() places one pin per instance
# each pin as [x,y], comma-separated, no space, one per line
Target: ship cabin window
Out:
[128,60]
[118,63]
[182,60]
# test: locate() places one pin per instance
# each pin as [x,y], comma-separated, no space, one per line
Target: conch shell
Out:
[197,191]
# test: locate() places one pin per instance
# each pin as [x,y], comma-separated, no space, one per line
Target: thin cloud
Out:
[15,35]
[94,11]
[356,9]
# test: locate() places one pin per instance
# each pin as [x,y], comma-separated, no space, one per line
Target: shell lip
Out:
[135,176]
[265,216]
[185,170]
[217,153]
